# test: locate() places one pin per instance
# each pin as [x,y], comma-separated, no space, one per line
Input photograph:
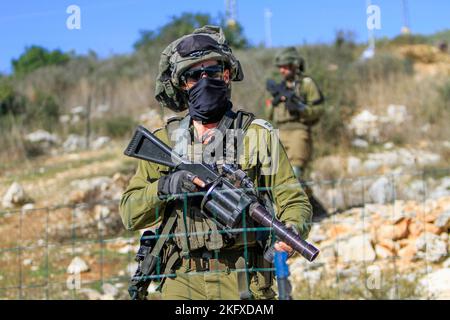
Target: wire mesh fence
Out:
[382,236]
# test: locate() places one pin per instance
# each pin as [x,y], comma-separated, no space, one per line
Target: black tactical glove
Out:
[176,183]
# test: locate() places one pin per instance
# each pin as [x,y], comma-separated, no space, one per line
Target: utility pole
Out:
[268,25]
[231,12]
[405,28]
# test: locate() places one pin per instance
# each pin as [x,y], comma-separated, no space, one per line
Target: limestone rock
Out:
[88,190]
[383,252]
[446,263]
[64,119]
[43,138]
[442,190]
[27,262]
[77,265]
[371,165]
[360,143]
[91,294]
[312,276]
[389,244]
[78,110]
[356,249]
[15,196]
[353,165]
[74,142]
[394,232]
[365,124]
[436,285]
[351,272]
[408,253]
[431,247]
[381,191]
[396,113]
[100,142]
[110,290]
[443,221]
[27,207]
[128,249]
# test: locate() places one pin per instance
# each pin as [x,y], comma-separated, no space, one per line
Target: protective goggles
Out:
[194,75]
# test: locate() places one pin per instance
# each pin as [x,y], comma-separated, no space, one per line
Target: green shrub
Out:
[43,112]
[382,66]
[36,57]
[444,93]
[119,126]
[410,39]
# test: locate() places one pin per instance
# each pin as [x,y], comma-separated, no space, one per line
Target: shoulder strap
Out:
[155,252]
[226,122]
[223,126]
[175,123]
[170,222]
[263,123]
[244,119]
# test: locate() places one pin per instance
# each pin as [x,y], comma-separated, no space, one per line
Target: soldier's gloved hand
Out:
[176,183]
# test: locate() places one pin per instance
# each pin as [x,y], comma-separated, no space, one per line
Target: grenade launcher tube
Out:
[263,217]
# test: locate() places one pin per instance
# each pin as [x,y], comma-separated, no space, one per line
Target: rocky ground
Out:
[379,249]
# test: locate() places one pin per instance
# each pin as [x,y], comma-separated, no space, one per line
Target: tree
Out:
[36,57]
[185,24]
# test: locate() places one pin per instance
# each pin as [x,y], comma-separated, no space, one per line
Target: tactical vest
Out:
[193,229]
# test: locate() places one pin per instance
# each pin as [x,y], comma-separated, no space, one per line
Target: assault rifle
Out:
[278,90]
[227,196]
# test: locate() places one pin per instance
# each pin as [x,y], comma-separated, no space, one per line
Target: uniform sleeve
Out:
[314,100]
[290,200]
[140,206]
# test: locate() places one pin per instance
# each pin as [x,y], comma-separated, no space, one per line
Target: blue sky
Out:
[112,26]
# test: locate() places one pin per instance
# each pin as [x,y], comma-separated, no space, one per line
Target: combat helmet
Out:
[203,44]
[288,56]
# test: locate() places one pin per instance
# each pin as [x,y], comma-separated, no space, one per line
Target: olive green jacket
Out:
[309,92]
[140,207]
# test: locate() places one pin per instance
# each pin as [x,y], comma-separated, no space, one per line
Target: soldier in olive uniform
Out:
[195,73]
[295,126]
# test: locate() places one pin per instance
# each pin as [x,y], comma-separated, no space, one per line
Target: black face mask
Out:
[208,101]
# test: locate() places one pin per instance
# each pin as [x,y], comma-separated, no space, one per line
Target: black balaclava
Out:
[208,100]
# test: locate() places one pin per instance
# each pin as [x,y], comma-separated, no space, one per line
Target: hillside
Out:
[381,167]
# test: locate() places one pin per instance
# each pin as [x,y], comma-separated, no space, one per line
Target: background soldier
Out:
[295,123]
[196,73]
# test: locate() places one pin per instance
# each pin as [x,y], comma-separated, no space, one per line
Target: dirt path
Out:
[47,179]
